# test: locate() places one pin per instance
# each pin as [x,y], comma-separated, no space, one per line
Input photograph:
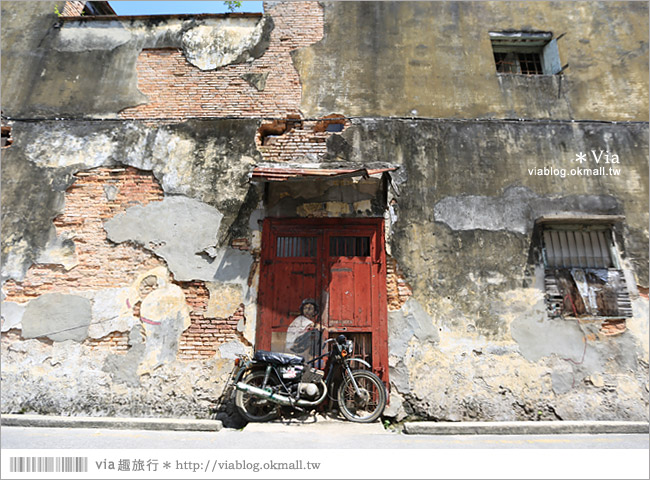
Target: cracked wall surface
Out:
[390,59]
[461,233]
[148,230]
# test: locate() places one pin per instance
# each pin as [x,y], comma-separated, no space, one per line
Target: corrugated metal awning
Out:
[280,173]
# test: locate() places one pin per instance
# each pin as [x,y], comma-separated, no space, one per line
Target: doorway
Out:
[340,263]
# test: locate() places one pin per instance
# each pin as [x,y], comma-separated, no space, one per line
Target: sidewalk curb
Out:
[523,428]
[11,420]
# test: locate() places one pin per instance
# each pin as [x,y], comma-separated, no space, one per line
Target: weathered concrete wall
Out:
[434,59]
[68,378]
[207,161]
[133,300]
[463,237]
[148,230]
[86,67]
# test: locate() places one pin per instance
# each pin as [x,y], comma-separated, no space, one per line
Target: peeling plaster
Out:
[59,251]
[209,47]
[515,210]
[80,37]
[110,312]
[12,315]
[65,149]
[224,299]
[177,229]
[206,160]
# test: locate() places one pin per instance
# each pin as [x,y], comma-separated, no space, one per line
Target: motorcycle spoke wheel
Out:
[252,408]
[367,406]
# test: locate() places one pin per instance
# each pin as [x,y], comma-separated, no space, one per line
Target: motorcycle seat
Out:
[278,358]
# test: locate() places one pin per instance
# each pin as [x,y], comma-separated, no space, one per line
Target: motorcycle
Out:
[270,382]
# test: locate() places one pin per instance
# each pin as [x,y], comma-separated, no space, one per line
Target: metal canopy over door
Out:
[338,262]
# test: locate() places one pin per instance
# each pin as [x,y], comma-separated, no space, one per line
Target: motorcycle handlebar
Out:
[341,339]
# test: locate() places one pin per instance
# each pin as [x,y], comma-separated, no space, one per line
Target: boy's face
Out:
[309,311]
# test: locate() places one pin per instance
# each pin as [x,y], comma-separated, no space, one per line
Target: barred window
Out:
[525,53]
[296,247]
[350,246]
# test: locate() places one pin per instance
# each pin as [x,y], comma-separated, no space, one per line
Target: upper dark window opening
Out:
[288,247]
[6,136]
[350,247]
[525,53]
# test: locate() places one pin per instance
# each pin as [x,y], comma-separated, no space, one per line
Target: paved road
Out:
[71,438]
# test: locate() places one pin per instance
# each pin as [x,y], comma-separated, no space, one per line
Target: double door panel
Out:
[339,263]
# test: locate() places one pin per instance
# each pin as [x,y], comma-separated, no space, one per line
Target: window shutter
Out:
[566,248]
[551,58]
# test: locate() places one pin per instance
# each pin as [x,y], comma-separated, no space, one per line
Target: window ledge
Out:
[588,318]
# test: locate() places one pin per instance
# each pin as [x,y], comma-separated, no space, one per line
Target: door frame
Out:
[379,325]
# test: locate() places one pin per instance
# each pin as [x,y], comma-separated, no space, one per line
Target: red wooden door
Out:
[338,262]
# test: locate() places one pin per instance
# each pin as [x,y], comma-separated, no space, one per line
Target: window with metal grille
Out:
[581,273]
[287,247]
[519,62]
[525,53]
[349,246]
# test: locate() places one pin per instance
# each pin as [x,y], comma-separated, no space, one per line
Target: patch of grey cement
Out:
[177,229]
[409,321]
[395,408]
[123,368]
[544,338]
[515,210]
[58,317]
[12,315]
[233,266]
[111,192]
[399,377]
[110,313]
[231,349]
[563,379]
[256,80]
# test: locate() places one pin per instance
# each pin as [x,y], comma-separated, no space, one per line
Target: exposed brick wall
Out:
[73,9]
[205,334]
[300,139]
[96,196]
[398,290]
[101,264]
[178,90]
[116,342]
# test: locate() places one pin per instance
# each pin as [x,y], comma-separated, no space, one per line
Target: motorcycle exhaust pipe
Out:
[277,398]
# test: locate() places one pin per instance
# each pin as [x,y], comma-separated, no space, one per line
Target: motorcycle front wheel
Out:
[251,407]
[368,404]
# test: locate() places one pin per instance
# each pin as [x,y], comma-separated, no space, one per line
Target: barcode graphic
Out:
[48,464]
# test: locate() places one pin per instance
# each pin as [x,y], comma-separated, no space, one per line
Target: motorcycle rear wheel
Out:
[253,408]
[368,406]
